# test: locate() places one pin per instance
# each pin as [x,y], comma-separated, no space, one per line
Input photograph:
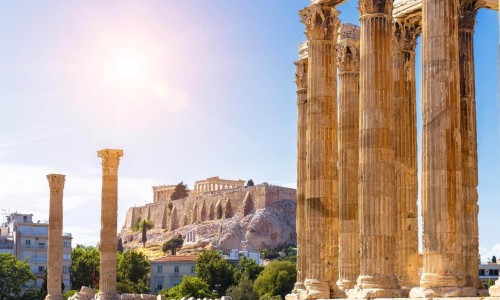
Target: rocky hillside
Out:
[265,228]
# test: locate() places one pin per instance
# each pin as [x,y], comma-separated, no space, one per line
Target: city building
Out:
[168,271]
[489,271]
[25,239]
[235,255]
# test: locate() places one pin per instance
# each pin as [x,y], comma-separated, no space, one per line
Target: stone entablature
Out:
[162,193]
[405,8]
[209,206]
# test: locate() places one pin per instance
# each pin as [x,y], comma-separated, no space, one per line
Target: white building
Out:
[23,238]
[489,271]
[168,271]
[235,255]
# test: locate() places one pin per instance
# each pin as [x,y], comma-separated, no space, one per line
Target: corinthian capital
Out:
[467,11]
[56,181]
[110,157]
[348,49]
[321,22]
[405,34]
[301,68]
[368,7]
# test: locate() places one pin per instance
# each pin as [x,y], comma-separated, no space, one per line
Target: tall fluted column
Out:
[407,261]
[109,209]
[301,81]
[348,67]
[54,259]
[321,22]
[442,197]
[466,24]
[377,199]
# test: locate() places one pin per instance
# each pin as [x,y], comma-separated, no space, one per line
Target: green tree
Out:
[69,293]
[180,191]
[243,290]
[277,278]
[250,182]
[189,287]
[133,269]
[14,274]
[33,294]
[215,271]
[84,267]
[172,245]
[140,224]
[247,266]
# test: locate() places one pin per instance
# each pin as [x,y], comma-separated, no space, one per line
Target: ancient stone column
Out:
[442,192]
[468,130]
[54,253]
[321,194]
[348,67]
[377,198]
[407,261]
[301,81]
[109,210]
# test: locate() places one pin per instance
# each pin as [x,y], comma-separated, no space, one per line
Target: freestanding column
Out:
[377,199]
[109,209]
[348,66]
[466,24]
[301,81]
[442,197]
[54,260]
[407,261]
[321,22]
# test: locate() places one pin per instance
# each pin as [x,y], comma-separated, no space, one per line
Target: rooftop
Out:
[190,258]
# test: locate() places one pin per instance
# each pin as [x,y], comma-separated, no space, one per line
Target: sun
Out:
[129,68]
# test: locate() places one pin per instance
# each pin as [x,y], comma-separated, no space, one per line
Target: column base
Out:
[106,296]
[443,292]
[475,282]
[53,297]
[495,290]
[428,281]
[346,284]
[299,286]
[315,289]
[357,293]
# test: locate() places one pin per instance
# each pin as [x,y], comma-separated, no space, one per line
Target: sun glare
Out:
[129,68]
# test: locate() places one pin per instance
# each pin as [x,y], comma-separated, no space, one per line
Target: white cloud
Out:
[489,253]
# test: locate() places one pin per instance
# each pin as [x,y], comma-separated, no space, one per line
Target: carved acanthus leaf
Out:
[348,56]
[367,7]
[321,22]
[467,11]
[301,74]
[405,34]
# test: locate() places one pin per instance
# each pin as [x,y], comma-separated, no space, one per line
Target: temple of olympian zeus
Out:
[109,209]
[357,222]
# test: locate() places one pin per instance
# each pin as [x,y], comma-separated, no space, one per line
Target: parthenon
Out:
[357,177]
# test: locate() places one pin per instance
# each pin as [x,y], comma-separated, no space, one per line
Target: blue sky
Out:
[208,91]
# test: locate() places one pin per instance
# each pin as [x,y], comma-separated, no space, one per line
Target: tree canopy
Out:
[243,290]
[250,182]
[215,271]
[14,274]
[133,269]
[249,267]
[172,245]
[278,278]
[189,287]
[84,267]
[180,191]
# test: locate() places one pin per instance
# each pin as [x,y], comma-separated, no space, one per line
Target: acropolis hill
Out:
[218,213]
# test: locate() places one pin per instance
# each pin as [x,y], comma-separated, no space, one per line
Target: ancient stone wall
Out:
[209,206]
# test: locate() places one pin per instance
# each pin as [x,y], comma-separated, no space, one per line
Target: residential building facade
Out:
[168,271]
[26,239]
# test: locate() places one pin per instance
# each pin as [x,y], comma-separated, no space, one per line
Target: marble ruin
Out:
[55,245]
[357,214]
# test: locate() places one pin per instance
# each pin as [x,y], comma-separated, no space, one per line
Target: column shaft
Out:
[468,131]
[321,195]
[442,196]
[54,257]
[377,199]
[109,209]
[407,261]
[301,81]
[348,65]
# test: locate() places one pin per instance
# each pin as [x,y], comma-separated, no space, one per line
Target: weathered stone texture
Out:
[54,253]
[406,263]
[321,192]
[348,67]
